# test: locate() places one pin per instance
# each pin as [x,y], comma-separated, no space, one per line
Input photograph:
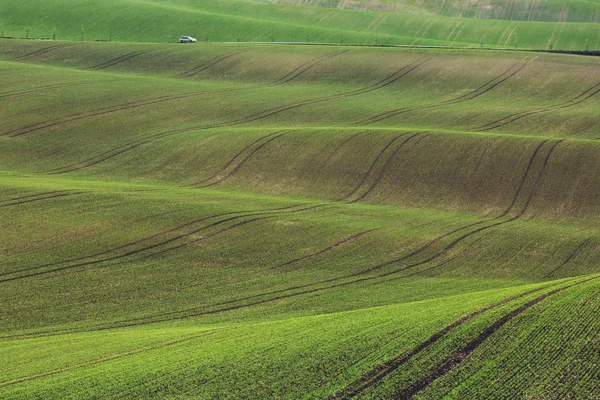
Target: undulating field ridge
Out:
[539,24]
[256,221]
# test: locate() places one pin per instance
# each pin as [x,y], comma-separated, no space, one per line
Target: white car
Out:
[187,39]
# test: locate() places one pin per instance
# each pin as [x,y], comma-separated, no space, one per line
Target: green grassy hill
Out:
[258,221]
[548,25]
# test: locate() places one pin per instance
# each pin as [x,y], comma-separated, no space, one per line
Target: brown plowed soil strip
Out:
[586,95]
[325,250]
[573,254]
[504,76]
[376,374]
[457,357]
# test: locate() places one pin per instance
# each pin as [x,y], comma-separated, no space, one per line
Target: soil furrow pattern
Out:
[458,356]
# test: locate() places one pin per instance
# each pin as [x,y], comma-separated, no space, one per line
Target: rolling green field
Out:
[542,24]
[259,221]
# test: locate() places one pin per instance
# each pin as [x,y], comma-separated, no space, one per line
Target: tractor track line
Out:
[379,372]
[335,151]
[106,358]
[455,242]
[481,90]
[40,52]
[134,104]
[148,238]
[387,263]
[398,74]
[413,253]
[151,247]
[42,88]
[569,258]
[40,199]
[373,163]
[119,60]
[586,95]
[244,159]
[306,66]
[211,63]
[325,250]
[239,153]
[37,195]
[271,214]
[458,356]
[388,163]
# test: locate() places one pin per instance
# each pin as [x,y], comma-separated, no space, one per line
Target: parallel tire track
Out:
[40,52]
[119,60]
[388,163]
[208,64]
[149,238]
[325,250]
[48,196]
[486,87]
[398,74]
[358,277]
[244,159]
[569,258]
[458,356]
[41,89]
[154,249]
[354,278]
[155,100]
[375,375]
[582,97]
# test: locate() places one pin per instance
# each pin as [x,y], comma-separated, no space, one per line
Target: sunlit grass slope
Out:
[236,221]
[548,25]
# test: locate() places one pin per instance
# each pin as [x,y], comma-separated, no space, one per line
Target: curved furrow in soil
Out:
[375,375]
[322,251]
[249,118]
[445,366]
[235,157]
[43,88]
[486,87]
[335,150]
[207,64]
[54,196]
[372,166]
[149,238]
[28,272]
[35,195]
[307,66]
[146,102]
[568,259]
[235,167]
[40,52]
[337,282]
[108,358]
[582,97]
[388,162]
[119,60]
[360,275]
